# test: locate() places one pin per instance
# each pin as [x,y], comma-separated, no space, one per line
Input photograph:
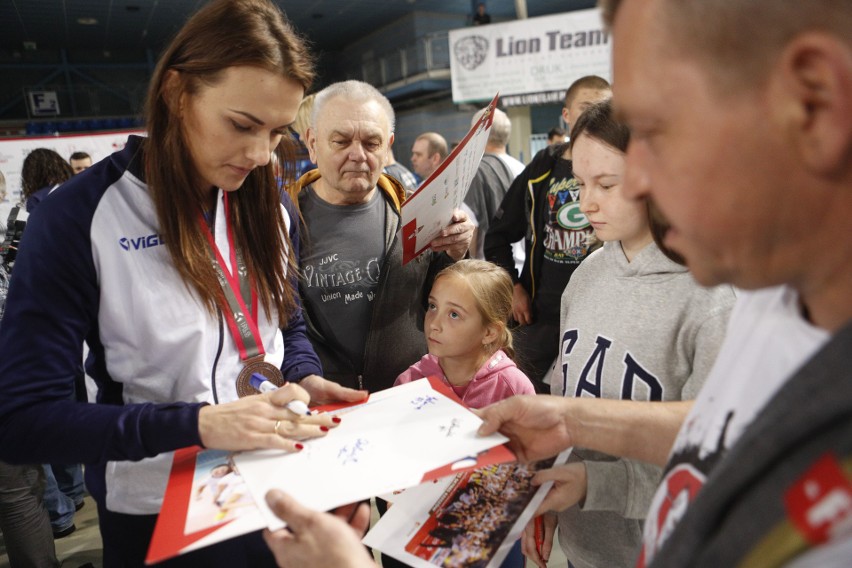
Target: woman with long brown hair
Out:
[172,259]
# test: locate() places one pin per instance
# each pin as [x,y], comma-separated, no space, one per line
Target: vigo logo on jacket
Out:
[139,243]
[567,232]
[591,370]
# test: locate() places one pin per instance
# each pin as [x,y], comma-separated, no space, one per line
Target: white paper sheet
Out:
[385,444]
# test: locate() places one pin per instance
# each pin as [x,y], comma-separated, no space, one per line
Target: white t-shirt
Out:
[519,251]
[766,342]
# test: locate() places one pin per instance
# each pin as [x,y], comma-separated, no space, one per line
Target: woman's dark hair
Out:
[223,34]
[43,168]
[597,122]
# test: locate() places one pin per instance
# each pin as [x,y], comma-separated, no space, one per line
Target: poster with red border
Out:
[430,209]
[470,520]
[200,506]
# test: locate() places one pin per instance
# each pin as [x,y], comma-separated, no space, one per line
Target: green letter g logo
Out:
[570,217]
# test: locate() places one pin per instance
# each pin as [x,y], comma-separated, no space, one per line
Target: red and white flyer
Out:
[430,209]
[468,520]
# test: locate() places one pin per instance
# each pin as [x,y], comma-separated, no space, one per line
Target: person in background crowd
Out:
[556,137]
[5,206]
[80,161]
[42,172]
[493,177]
[300,127]
[400,173]
[4,221]
[24,519]
[303,118]
[427,153]
[480,17]
[541,207]
[147,257]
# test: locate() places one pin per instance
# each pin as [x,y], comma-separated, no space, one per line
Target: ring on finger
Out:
[277,425]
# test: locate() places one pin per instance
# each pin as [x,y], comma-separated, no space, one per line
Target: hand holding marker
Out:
[261,384]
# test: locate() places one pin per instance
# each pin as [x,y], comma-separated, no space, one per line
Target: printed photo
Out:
[219,493]
[476,513]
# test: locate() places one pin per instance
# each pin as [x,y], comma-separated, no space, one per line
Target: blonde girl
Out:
[470,344]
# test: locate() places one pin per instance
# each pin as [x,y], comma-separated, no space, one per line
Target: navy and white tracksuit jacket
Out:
[93,267]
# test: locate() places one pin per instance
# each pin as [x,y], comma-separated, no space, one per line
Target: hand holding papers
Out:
[430,209]
[318,539]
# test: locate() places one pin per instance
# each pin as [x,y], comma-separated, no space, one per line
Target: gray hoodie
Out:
[640,330]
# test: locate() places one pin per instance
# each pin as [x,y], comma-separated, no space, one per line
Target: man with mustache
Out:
[741,132]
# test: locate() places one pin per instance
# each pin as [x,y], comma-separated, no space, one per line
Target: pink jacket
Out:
[497,379]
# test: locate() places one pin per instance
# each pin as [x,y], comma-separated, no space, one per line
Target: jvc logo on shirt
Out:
[139,243]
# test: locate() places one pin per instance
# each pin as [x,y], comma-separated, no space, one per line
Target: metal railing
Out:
[424,57]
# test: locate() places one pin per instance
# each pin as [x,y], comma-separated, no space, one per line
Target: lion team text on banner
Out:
[528,61]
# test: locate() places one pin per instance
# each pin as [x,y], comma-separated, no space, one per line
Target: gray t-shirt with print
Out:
[341,260]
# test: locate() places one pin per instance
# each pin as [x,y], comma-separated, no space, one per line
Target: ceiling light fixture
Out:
[87,21]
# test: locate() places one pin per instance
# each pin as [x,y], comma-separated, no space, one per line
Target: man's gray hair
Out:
[501,127]
[353,91]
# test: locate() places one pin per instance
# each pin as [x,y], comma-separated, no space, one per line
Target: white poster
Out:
[529,61]
[14,150]
[397,439]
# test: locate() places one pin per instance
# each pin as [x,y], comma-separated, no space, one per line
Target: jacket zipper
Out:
[379,291]
[216,359]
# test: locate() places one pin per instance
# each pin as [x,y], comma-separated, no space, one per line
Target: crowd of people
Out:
[667,292]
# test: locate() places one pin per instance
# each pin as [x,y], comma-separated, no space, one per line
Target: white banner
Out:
[14,150]
[537,58]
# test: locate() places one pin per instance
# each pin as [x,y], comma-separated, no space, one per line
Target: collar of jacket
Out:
[393,190]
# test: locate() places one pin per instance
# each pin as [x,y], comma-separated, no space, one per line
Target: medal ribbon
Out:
[241,322]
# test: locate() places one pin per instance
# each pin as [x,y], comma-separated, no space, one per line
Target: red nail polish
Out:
[335,419]
[300,447]
[324,428]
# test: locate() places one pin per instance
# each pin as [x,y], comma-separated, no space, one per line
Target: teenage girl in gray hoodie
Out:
[634,325]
